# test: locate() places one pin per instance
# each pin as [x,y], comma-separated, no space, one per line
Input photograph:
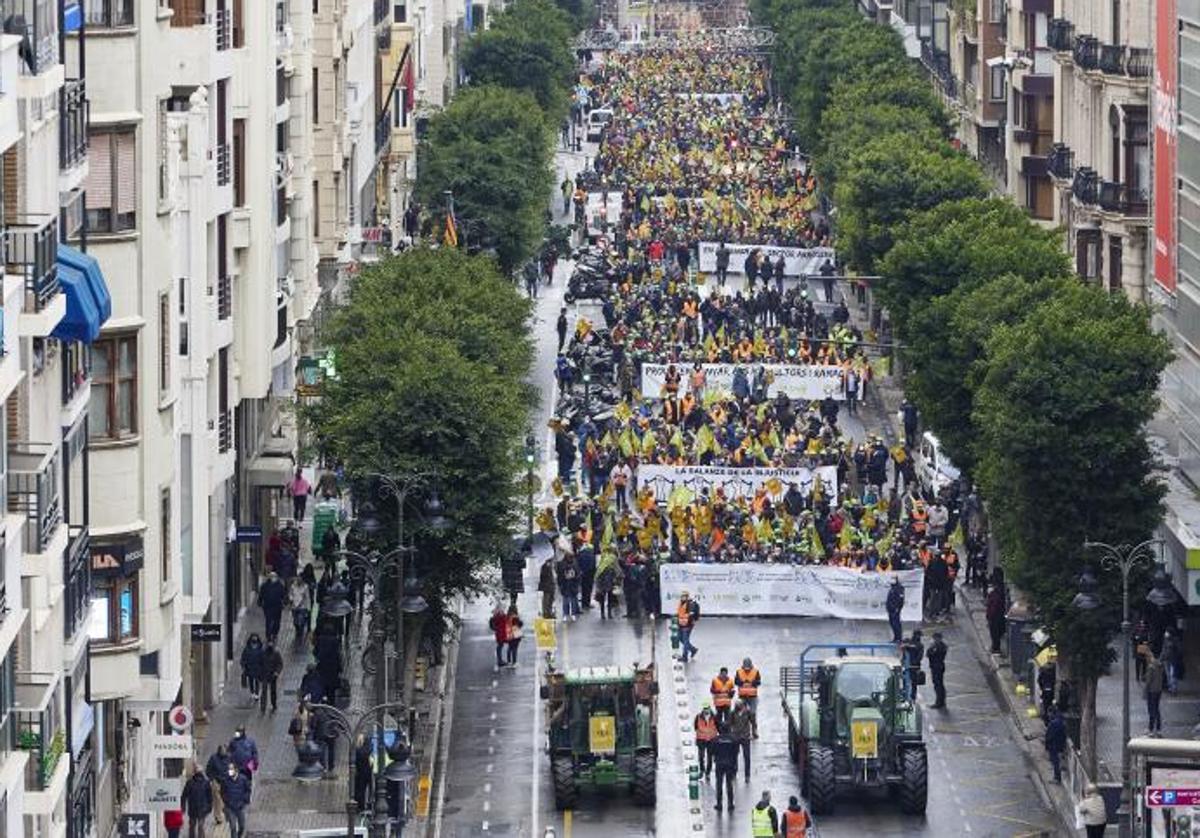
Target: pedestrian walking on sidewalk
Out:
[243,752]
[796,821]
[914,653]
[741,728]
[1155,681]
[197,802]
[608,581]
[1092,810]
[705,725]
[764,820]
[363,772]
[996,610]
[937,670]
[235,789]
[300,601]
[299,489]
[1171,658]
[252,658]
[272,667]
[687,614]
[218,765]
[895,605]
[1056,742]
[499,626]
[725,757]
[515,631]
[173,822]
[568,586]
[722,688]
[562,329]
[298,726]
[748,679]
[546,587]
[271,597]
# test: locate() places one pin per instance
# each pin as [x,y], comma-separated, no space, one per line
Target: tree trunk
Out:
[1087,725]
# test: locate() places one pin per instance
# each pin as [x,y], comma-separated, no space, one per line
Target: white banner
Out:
[812,382]
[736,482]
[722,98]
[751,589]
[604,215]
[796,260]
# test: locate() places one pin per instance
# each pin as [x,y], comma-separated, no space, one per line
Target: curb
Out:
[687,738]
[441,730]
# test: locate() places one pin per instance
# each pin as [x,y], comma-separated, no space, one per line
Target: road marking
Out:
[487,805]
[567,818]
[487,788]
[493,717]
[485,826]
[491,750]
[489,768]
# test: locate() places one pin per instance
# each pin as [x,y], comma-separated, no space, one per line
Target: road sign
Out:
[134,826]
[543,630]
[206,632]
[1157,797]
[180,718]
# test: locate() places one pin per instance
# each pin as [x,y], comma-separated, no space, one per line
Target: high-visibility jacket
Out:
[760,822]
[795,824]
[722,691]
[706,727]
[747,681]
[683,615]
[919,515]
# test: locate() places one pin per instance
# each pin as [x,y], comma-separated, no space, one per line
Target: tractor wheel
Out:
[821,783]
[645,776]
[915,789]
[566,794]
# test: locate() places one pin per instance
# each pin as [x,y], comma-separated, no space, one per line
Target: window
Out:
[183,316]
[164,343]
[316,96]
[996,11]
[114,617]
[239,162]
[399,12]
[164,538]
[316,205]
[997,83]
[163,150]
[113,410]
[112,181]
[1087,254]
[109,13]
[1116,21]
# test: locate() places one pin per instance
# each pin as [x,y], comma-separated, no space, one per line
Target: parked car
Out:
[597,119]
[934,469]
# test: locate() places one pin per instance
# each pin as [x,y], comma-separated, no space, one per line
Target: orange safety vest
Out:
[795,825]
[747,688]
[919,516]
[683,616]
[706,728]
[722,691]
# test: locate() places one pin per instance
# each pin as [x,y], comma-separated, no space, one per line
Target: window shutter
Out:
[126,172]
[12,182]
[99,180]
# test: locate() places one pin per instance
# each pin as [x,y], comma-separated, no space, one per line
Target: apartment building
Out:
[1028,65]
[55,300]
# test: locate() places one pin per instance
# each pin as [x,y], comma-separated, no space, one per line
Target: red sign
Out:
[1166,139]
[1160,797]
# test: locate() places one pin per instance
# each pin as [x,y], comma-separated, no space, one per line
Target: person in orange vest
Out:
[795,821]
[722,688]
[748,680]
[687,614]
[706,733]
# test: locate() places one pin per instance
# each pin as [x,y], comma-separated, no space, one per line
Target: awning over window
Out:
[72,16]
[88,300]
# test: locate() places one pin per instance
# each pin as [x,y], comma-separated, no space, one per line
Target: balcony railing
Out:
[77,589]
[31,249]
[224,22]
[382,8]
[224,298]
[224,432]
[1112,59]
[224,169]
[1060,34]
[37,727]
[37,22]
[1086,185]
[1139,63]
[76,369]
[1060,162]
[72,124]
[1114,196]
[33,491]
[1087,52]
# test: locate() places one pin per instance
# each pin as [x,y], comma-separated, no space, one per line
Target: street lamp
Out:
[587,385]
[530,458]
[1124,558]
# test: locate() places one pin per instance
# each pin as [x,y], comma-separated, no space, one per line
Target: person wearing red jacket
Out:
[173,822]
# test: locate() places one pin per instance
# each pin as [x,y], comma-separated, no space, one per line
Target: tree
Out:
[887,180]
[849,128]
[527,48]
[797,30]
[492,148]
[1061,413]
[964,241]
[432,356]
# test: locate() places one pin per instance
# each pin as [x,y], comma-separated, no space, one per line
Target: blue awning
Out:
[88,301]
[72,17]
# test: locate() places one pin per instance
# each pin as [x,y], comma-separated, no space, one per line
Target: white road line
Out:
[493,717]
[487,805]
[489,768]
[487,788]
[485,826]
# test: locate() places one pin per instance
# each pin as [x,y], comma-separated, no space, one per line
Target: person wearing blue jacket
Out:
[243,752]
[235,789]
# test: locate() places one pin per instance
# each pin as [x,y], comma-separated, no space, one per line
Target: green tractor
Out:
[852,725]
[602,730]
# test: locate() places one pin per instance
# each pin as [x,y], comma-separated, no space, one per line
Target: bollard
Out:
[693,782]
[674,634]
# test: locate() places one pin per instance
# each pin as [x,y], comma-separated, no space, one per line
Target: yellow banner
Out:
[603,734]
[864,739]
[543,630]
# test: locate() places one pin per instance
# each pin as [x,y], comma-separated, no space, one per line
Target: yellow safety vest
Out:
[760,823]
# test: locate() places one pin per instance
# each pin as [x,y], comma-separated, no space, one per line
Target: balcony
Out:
[76,370]
[224,431]
[1085,186]
[224,166]
[223,28]
[31,250]
[72,124]
[1112,59]
[38,728]
[33,491]
[224,298]
[1060,162]
[1139,63]
[1116,197]
[77,590]
[37,22]
[1060,34]
[1087,52]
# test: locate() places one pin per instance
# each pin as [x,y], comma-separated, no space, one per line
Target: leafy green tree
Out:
[1061,413]
[848,128]
[888,179]
[581,12]
[964,241]
[492,147]
[527,48]
[796,32]
[433,354]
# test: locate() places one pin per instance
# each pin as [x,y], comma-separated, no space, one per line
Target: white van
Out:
[934,469]
[597,119]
